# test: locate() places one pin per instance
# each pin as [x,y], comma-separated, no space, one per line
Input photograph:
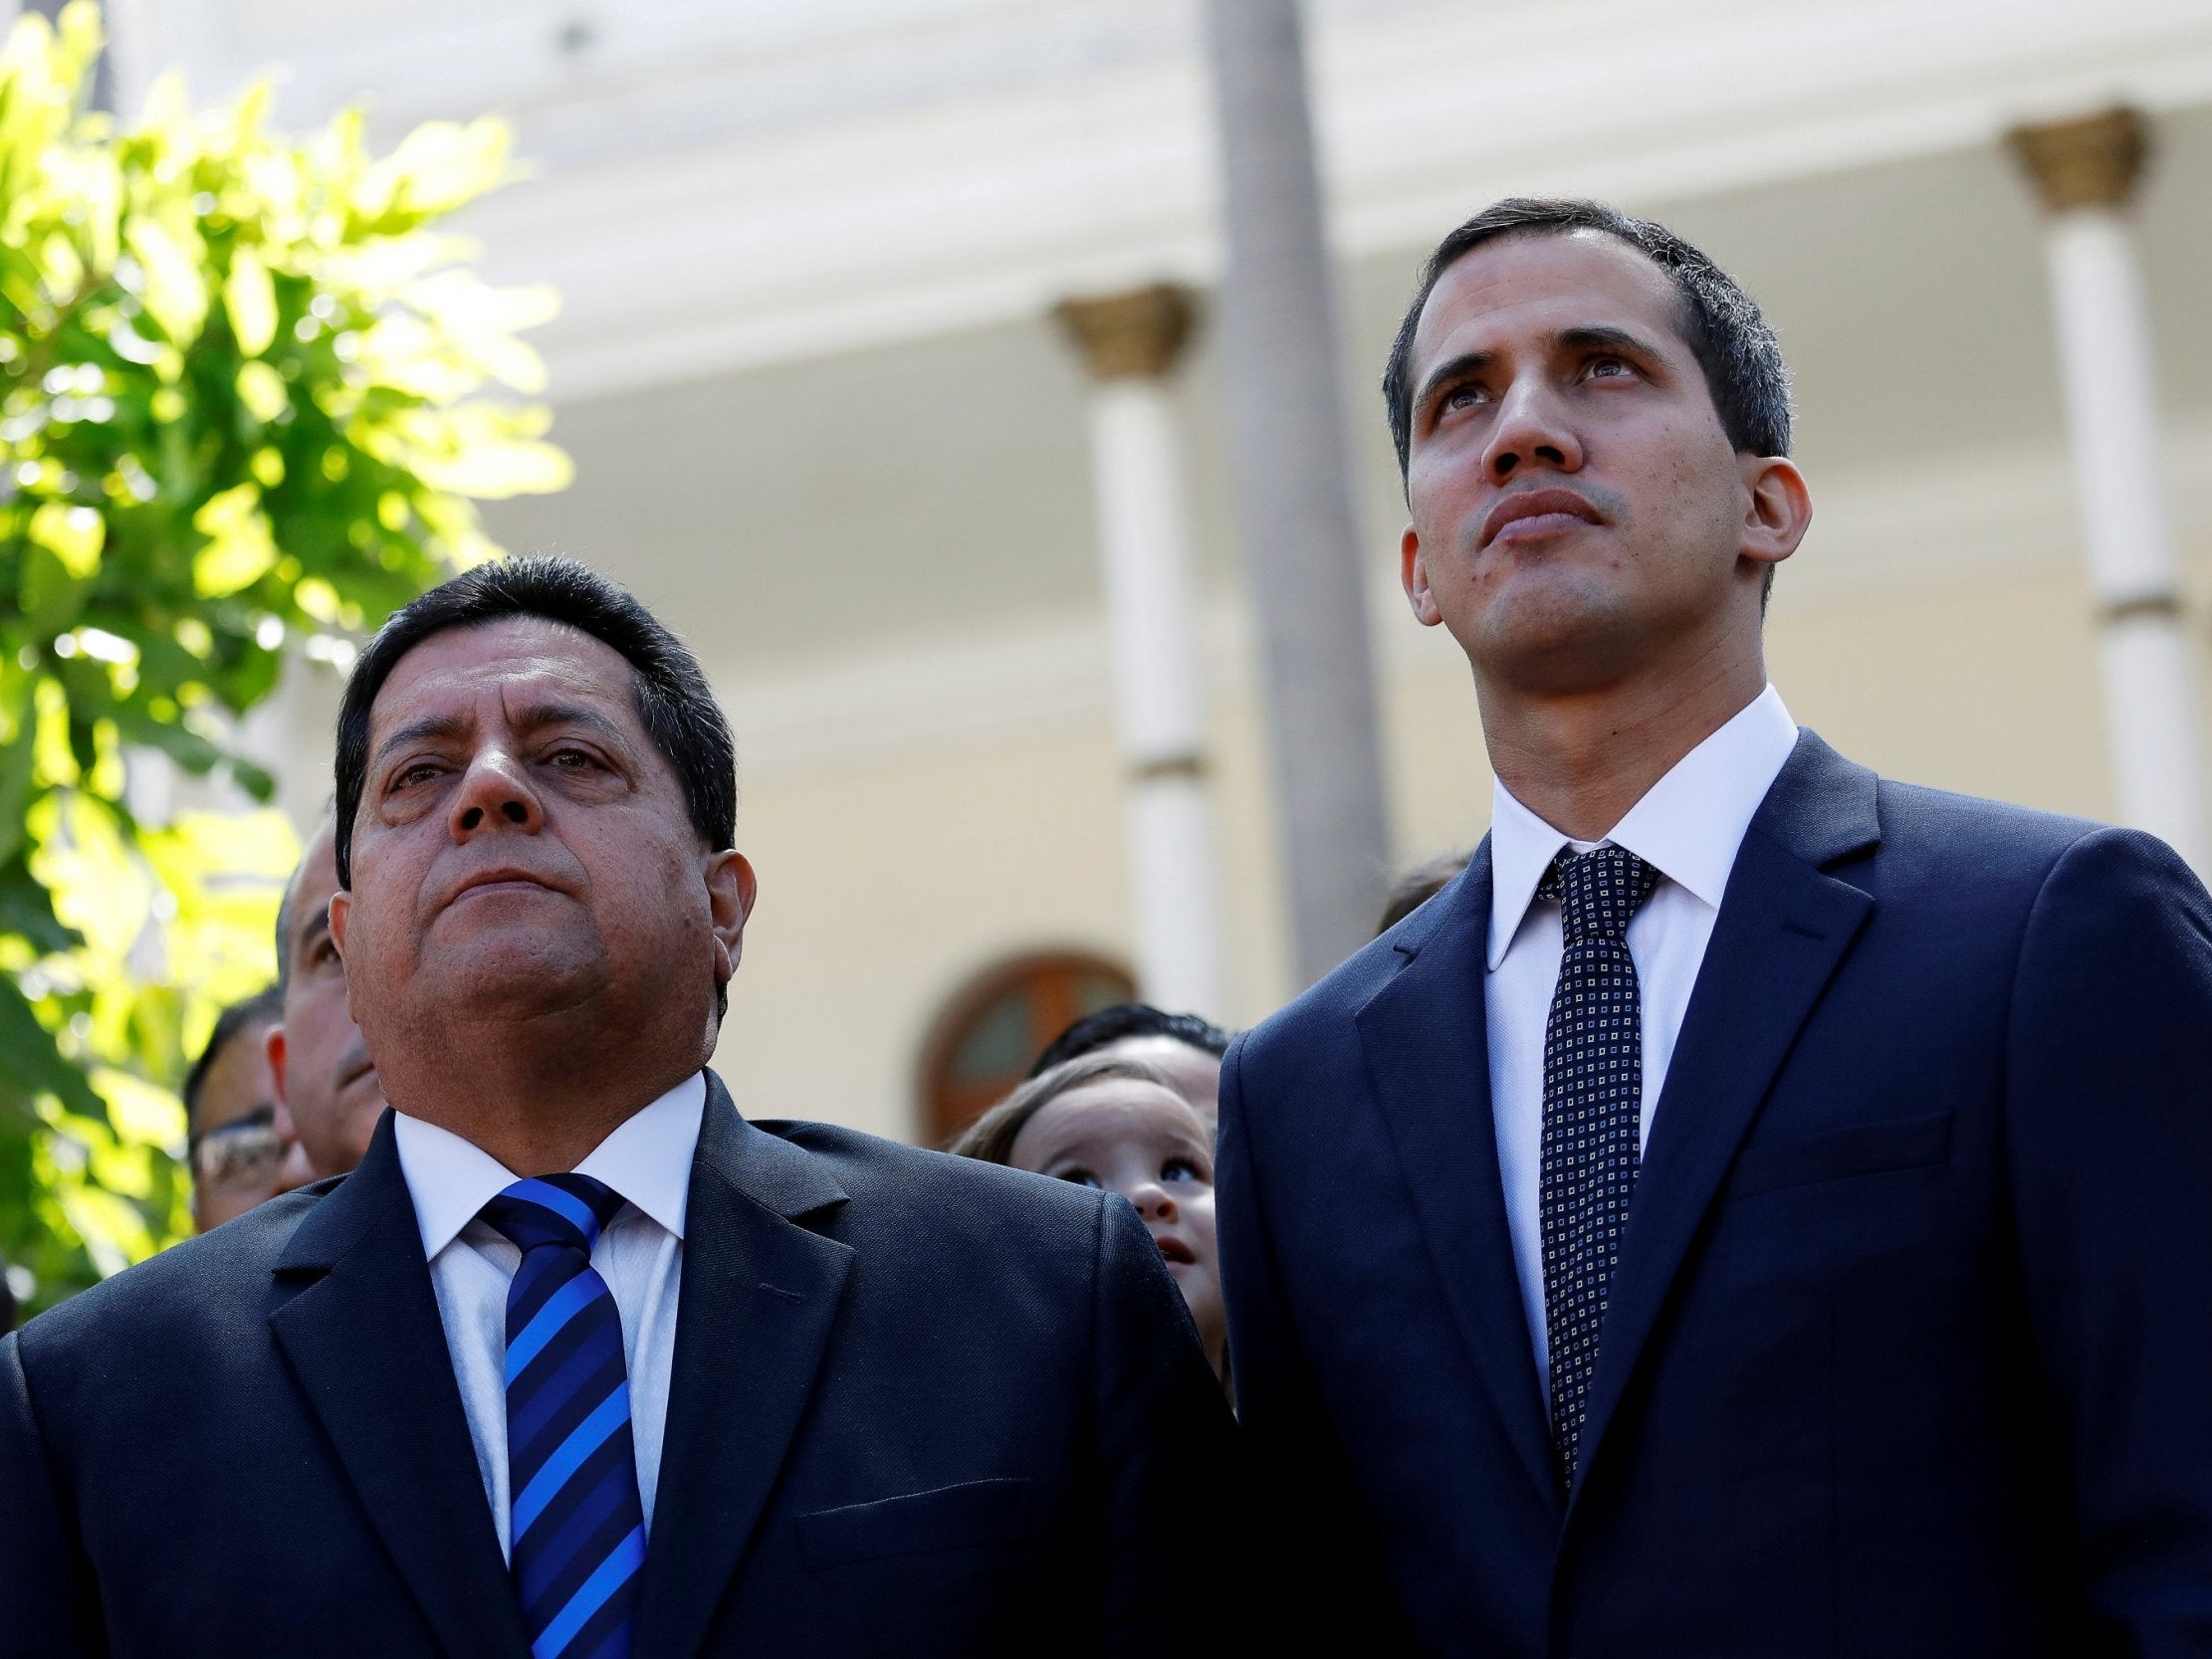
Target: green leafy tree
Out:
[243,413]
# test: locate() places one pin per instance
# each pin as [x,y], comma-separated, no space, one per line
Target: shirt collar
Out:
[648,1160]
[1688,826]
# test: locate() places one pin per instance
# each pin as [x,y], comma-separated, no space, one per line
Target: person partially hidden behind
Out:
[579,1361]
[318,1057]
[1186,1049]
[1757,1208]
[1121,1126]
[1418,885]
[239,1142]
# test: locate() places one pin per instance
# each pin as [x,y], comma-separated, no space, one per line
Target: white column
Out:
[2084,172]
[1130,342]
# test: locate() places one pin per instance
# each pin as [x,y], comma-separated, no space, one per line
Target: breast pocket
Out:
[990,1512]
[1862,1150]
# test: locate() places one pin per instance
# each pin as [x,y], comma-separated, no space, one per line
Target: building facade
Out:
[828,418]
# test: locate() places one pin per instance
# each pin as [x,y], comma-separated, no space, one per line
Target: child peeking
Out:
[1120,1124]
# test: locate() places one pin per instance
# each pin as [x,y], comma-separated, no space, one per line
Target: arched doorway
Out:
[999,1022]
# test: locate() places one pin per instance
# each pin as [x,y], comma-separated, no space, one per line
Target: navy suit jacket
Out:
[1909,1346]
[920,1405]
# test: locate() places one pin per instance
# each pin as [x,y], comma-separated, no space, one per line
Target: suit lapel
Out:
[1426,1042]
[753,1317]
[1783,929]
[364,1339]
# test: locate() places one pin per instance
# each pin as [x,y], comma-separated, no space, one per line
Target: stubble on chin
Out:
[1554,636]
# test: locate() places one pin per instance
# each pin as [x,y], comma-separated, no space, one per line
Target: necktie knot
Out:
[568,1210]
[1598,891]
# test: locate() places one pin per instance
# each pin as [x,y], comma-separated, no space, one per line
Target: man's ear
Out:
[272,1045]
[1413,574]
[1778,508]
[731,889]
[342,912]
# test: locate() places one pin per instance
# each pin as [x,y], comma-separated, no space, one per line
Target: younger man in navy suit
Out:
[1783,1197]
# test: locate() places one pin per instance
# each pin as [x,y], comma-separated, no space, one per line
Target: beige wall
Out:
[885,884]
[885,560]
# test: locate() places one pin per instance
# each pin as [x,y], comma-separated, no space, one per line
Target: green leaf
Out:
[251,300]
[15,783]
[186,747]
[72,535]
[239,549]
[27,912]
[262,390]
[175,293]
[35,1062]
[51,596]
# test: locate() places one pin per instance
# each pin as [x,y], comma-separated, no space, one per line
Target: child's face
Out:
[1146,1144]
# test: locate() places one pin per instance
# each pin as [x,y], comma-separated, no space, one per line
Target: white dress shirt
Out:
[640,1255]
[1687,827]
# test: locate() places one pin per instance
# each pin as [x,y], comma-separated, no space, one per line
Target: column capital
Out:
[1137,334]
[2090,162]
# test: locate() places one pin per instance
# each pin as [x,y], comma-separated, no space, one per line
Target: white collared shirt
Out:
[1688,826]
[640,1255]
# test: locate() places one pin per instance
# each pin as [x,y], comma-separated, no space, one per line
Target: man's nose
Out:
[1532,433]
[495,792]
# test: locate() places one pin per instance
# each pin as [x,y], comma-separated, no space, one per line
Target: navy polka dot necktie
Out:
[576,1528]
[1592,1106]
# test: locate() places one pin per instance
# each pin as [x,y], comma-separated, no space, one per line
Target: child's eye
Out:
[1180,1170]
[1080,1178]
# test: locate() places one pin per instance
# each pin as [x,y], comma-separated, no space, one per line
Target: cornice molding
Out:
[721,188]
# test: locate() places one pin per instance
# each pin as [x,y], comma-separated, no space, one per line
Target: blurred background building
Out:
[834,418]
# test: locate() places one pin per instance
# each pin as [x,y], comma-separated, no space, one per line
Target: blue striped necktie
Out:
[577,1531]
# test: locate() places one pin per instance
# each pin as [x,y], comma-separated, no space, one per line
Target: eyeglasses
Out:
[240,1156]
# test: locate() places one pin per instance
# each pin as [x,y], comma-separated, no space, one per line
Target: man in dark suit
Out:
[1758,1208]
[690,1384]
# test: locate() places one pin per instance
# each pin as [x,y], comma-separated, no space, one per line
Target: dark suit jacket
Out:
[1909,1348]
[920,1405]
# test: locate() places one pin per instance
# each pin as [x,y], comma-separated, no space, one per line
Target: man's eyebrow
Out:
[1604,336]
[534,716]
[1587,336]
[1455,368]
[441,728]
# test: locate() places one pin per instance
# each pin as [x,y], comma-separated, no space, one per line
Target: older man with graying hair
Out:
[579,1361]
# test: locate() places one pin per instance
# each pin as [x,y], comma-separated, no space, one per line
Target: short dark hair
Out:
[1418,885]
[990,1137]
[264,1007]
[1722,325]
[1123,1021]
[674,703]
